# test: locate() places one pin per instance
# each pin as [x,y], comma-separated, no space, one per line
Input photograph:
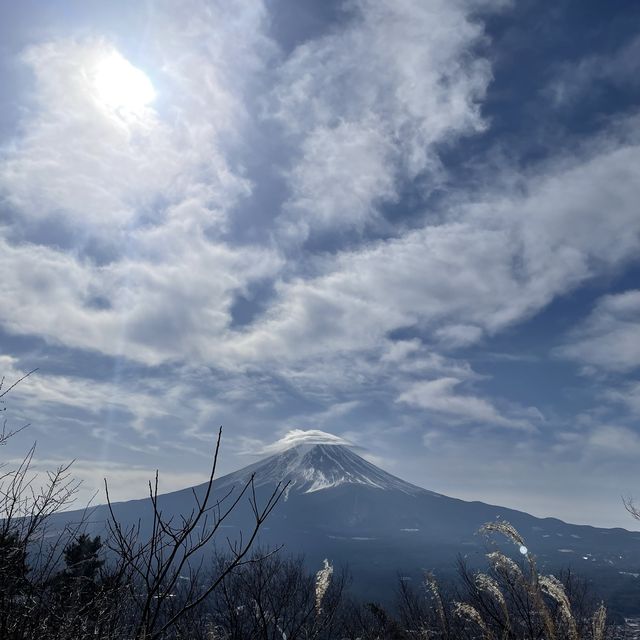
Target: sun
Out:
[121,86]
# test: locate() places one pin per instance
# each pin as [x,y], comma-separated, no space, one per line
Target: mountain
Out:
[339,506]
[317,467]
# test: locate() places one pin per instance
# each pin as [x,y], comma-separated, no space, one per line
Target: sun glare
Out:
[121,86]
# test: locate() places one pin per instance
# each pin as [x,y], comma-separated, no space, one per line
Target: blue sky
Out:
[413,225]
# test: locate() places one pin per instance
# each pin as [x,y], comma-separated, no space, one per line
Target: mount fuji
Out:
[337,505]
[308,468]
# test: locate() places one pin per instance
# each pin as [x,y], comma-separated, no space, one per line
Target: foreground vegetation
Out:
[59,583]
[274,596]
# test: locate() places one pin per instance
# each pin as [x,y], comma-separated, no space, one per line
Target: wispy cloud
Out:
[609,338]
[627,394]
[496,262]
[368,103]
[441,396]
[615,439]
[591,75]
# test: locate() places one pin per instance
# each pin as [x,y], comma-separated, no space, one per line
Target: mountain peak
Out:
[310,467]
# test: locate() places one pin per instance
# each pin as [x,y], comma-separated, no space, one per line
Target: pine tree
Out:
[81,557]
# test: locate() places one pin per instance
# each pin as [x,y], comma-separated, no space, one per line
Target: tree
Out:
[29,552]
[274,596]
[55,583]
[631,507]
[81,557]
[156,566]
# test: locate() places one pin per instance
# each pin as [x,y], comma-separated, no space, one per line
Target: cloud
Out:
[627,395]
[329,415]
[328,193]
[615,439]
[112,241]
[459,335]
[100,168]
[172,300]
[296,437]
[609,338]
[493,263]
[440,396]
[487,264]
[367,104]
[593,74]
[139,404]
[125,481]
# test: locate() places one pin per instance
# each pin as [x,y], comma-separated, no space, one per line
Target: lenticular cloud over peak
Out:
[296,437]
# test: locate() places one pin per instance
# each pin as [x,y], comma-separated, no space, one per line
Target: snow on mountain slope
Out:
[316,467]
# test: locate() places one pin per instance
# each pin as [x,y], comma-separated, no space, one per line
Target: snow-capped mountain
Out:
[316,467]
[340,506]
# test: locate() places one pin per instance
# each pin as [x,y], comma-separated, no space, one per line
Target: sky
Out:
[411,224]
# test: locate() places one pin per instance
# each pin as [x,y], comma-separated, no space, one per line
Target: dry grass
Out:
[513,600]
